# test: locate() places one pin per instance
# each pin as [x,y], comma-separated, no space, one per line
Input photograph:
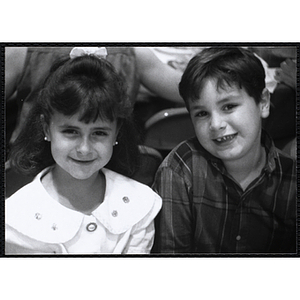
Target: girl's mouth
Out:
[85,162]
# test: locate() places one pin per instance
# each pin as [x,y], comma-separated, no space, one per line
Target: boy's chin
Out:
[227,155]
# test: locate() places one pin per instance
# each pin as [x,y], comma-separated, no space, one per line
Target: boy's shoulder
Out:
[278,160]
[286,163]
[186,154]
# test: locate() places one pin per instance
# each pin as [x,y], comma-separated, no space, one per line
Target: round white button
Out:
[238,237]
[126,199]
[38,216]
[91,227]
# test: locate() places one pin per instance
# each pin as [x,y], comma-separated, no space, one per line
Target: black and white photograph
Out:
[151,149]
[152,155]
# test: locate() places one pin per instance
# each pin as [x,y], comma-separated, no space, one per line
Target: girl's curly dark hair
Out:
[91,87]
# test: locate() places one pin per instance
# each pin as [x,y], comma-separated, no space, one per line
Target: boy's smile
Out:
[226,139]
[227,121]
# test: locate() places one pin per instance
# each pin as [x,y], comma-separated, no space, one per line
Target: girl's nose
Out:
[84,146]
[217,122]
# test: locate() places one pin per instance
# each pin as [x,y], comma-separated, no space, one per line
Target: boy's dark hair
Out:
[231,66]
[88,86]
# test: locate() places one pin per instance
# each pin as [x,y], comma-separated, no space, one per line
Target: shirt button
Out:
[54,227]
[114,213]
[38,216]
[238,237]
[91,227]
[126,199]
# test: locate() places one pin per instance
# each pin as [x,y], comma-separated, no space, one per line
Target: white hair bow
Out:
[81,51]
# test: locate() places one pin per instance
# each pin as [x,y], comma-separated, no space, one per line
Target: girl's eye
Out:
[70,132]
[100,133]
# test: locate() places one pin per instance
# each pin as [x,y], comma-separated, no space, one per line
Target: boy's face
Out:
[227,121]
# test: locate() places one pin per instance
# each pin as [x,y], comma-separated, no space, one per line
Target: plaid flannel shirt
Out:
[206,211]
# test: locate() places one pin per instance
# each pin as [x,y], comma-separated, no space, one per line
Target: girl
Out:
[78,134]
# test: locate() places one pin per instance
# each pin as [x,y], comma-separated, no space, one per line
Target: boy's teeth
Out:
[225,138]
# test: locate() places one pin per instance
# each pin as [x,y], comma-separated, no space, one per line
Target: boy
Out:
[227,190]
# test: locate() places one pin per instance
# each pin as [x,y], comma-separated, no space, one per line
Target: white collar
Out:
[33,212]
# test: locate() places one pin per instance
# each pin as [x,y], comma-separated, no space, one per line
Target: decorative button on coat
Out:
[38,216]
[126,199]
[59,227]
[91,227]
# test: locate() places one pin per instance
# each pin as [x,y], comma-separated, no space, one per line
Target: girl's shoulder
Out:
[29,190]
[118,185]
[32,212]
[118,179]
[126,202]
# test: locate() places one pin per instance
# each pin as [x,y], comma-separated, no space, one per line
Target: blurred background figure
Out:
[280,65]
[152,75]
[149,102]
[27,68]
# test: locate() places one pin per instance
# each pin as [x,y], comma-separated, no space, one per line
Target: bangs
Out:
[91,101]
[87,86]
[94,106]
[223,78]
[229,67]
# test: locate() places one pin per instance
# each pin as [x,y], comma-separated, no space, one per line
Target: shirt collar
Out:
[272,154]
[126,203]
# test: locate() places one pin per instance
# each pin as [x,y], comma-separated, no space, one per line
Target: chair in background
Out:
[150,161]
[167,128]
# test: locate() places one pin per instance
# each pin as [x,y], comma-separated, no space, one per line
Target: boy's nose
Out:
[217,122]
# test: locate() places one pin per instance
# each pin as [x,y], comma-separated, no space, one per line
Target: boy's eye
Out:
[229,107]
[201,114]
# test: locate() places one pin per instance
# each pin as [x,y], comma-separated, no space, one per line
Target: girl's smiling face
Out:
[78,148]
[228,121]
